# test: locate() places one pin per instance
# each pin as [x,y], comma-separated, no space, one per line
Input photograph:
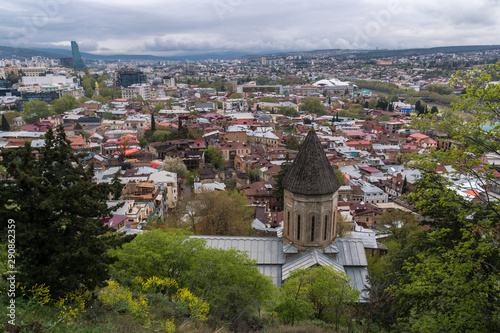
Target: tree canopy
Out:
[175,165]
[214,157]
[34,110]
[209,212]
[445,277]
[316,293]
[60,240]
[312,105]
[65,103]
[227,279]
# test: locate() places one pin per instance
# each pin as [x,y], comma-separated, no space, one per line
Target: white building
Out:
[134,90]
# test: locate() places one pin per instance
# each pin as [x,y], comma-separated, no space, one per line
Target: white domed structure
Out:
[331,83]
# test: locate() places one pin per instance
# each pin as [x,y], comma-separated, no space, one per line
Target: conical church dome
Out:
[310,172]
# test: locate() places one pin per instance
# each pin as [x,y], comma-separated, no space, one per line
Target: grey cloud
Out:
[166,27]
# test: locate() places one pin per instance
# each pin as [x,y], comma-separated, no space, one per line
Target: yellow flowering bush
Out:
[72,306]
[122,299]
[170,326]
[37,293]
[199,308]
[155,285]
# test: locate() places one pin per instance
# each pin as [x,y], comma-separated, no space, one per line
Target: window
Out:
[288,223]
[312,229]
[326,227]
[298,227]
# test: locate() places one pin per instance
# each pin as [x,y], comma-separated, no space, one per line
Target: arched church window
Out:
[312,229]
[288,223]
[326,227]
[298,227]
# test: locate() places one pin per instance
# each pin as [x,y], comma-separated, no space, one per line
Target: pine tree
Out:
[60,238]
[5,124]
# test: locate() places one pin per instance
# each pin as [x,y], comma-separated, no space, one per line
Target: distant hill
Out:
[18,53]
[370,54]
[90,56]
[10,52]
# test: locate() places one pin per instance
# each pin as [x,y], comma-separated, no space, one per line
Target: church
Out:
[308,236]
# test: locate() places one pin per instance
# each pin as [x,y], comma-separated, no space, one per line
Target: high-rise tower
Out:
[77,58]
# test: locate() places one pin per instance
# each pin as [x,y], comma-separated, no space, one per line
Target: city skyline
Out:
[167,28]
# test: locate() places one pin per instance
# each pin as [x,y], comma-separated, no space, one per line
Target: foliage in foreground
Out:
[227,279]
[317,293]
[445,278]
[56,208]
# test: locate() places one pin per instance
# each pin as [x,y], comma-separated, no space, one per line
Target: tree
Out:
[214,157]
[451,282]
[255,175]
[384,117]
[159,106]
[215,213]
[318,292]
[227,279]
[100,98]
[117,186]
[267,99]
[34,110]
[175,165]
[142,142]
[60,239]
[340,176]
[236,96]
[65,103]
[5,124]
[159,136]
[279,190]
[372,103]
[231,284]
[153,123]
[292,143]
[108,115]
[312,105]
[191,177]
[159,252]
[83,99]
[138,98]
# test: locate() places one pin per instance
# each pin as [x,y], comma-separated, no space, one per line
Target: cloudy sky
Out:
[171,27]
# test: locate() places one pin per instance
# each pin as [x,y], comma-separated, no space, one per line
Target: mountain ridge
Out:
[53,53]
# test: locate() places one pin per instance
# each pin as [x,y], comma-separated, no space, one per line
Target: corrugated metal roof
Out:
[331,248]
[264,250]
[274,271]
[289,248]
[310,258]
[358,276]
[351,252]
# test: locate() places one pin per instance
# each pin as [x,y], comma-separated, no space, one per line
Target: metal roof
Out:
[289,248]
[264,250]
[310,258]
[358,276]
[351,252]
[274,271]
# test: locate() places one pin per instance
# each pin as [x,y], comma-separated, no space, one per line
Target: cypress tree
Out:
[5,124]
[153,123]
